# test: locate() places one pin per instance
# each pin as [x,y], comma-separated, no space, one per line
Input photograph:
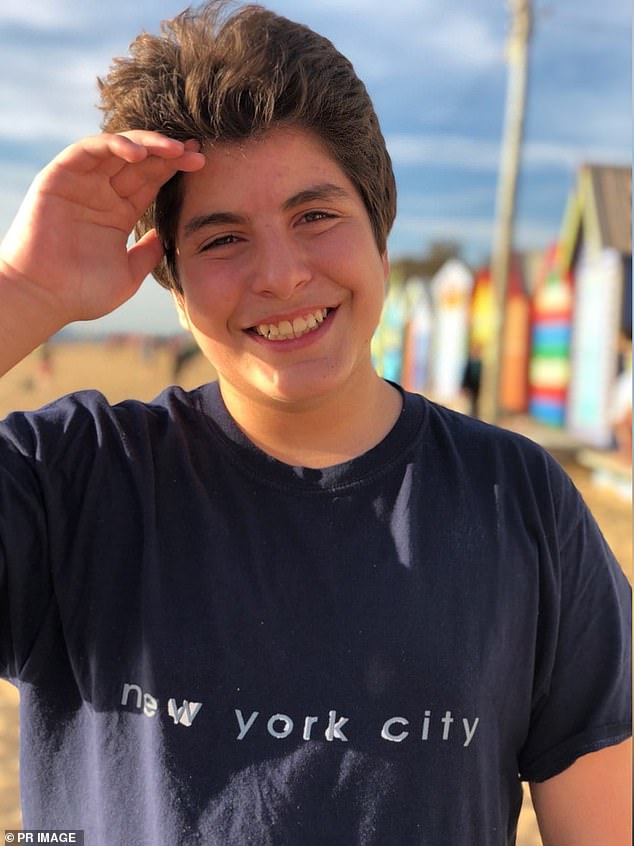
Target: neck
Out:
[318,433]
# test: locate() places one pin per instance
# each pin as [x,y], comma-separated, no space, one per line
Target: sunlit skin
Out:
[271,230]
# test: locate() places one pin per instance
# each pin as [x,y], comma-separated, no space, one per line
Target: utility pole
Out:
[517,58]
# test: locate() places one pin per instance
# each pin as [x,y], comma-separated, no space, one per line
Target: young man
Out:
[298,606]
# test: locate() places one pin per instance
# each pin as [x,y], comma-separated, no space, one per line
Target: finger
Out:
[147,177]
[184,155]
[158,144]
[89,153]
[155,145]
[130,147]
[144,256]
[113,166]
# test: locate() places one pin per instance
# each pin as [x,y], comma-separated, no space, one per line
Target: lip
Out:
[294,343]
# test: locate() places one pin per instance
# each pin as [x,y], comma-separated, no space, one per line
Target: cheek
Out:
[354,263]
[368,285]
[210,303]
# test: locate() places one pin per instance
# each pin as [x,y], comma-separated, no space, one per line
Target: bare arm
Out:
[590,803]
[65,256]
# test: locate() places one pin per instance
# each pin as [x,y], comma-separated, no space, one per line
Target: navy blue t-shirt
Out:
[214,647]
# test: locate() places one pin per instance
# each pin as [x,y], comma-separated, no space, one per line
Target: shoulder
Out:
[78,420]
[482,460]
[484,446]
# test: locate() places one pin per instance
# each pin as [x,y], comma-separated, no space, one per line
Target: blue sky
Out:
[437,75]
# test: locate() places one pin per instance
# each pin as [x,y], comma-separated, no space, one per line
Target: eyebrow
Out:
[212,219]
[322,191]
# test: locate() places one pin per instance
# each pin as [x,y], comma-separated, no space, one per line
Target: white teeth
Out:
[285,330]
[299,326]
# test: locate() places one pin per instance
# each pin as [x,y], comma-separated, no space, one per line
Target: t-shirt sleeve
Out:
[25,584]
[582,691]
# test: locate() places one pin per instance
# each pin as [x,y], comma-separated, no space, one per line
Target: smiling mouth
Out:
[287,330]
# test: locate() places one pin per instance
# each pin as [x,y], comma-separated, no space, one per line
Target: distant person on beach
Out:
[183,353]
[472,379]
[45,363]
[298,606]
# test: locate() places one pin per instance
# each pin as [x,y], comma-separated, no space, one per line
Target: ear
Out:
[179,304]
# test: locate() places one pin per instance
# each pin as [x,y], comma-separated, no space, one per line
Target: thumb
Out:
[144,256]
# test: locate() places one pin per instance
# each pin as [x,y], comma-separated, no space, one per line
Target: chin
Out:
[300,395]
[301,388]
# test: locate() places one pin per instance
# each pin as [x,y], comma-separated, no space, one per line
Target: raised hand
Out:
[66,250]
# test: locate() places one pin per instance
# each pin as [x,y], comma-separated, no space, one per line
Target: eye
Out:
[220,241]
[312,216]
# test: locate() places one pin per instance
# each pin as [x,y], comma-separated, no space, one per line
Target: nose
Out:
[280,266]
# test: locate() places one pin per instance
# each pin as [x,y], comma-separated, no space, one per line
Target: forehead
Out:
[277,142]
[267,168]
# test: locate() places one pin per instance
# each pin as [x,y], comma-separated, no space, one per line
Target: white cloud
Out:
[460,228]
[59,105]
[453,150]
[466,153]
[411,231]
[454,199]
[570,156]
[594,112]
[46,14]
[408,36]
[462,40]
[91,16]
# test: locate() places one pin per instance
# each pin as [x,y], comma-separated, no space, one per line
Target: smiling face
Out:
[282,280]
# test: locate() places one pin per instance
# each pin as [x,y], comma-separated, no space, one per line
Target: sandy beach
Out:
[134,369]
